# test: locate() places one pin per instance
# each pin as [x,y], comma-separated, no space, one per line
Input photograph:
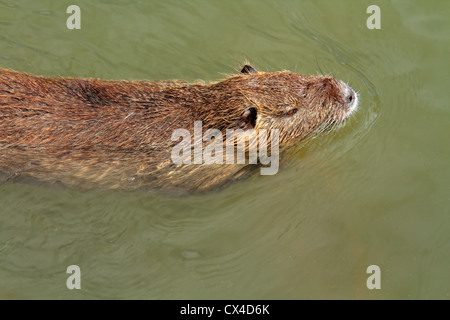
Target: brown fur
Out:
[117,134]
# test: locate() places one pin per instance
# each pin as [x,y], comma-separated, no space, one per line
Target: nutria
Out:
[117,134]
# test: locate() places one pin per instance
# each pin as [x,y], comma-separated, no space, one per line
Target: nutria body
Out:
[117,134]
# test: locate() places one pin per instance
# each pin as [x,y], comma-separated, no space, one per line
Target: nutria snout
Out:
[350,98]
[118,134]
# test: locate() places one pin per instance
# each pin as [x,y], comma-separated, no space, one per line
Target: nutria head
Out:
[297,105]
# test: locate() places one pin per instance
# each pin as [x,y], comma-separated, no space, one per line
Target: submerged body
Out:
[117,134]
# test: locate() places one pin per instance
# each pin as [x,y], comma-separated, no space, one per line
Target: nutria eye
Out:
[291,112]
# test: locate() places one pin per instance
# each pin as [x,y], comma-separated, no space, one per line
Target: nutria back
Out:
[92,133]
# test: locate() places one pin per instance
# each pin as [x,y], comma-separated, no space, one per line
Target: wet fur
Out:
[117,134]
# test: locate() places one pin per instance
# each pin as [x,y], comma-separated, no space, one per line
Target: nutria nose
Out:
[350,98]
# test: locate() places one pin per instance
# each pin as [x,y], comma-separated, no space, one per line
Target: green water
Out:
[376,192]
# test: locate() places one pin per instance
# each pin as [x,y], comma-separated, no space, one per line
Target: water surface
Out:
[375,192]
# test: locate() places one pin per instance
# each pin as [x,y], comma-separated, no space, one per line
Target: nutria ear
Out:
[247,69]
[249,118]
